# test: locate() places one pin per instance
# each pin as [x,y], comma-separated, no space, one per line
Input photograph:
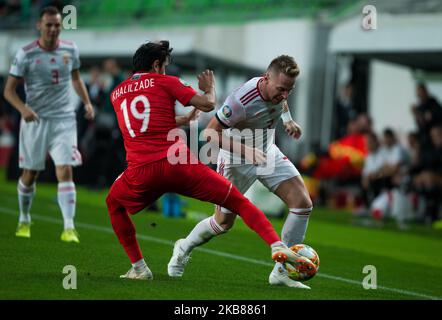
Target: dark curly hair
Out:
[147,53]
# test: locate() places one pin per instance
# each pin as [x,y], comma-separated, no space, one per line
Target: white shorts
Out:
[56,136]
[279,169]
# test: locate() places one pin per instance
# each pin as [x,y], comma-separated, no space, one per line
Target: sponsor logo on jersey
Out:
[227,111]
[184,83]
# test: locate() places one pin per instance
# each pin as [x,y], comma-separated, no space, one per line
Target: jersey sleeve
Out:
[180,90]
[76,58]
[231,112]
[18,66]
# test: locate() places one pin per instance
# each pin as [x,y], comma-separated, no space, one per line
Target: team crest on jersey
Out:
[184,83]
[227,111]
[66,57]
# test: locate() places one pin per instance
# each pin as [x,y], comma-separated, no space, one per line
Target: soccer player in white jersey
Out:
[49,66]
[258,105]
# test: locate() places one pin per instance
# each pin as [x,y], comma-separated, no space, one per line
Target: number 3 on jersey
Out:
[135,114]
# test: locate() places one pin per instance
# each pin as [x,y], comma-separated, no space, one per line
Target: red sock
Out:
[125,231]
[252,216]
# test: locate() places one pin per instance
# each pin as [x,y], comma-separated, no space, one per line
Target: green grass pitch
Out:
[233,266]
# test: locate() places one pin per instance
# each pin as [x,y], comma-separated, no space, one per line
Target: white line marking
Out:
[215,252]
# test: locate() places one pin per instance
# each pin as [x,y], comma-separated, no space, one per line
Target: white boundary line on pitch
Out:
[214,252]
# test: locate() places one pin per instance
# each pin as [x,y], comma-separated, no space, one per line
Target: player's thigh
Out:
[63,142]
[135,189]
[33,144]
[280,169]
[242,177]
[197,181]
[294,193]
[286,182]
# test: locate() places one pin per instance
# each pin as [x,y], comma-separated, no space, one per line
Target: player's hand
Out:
[254,155]
[89,112]
[293,129]
[206,80]
[193,115]
[185,119]
[29,115]
[285,106]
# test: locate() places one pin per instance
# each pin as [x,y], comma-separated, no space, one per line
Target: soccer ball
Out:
[308,252]
[306,266]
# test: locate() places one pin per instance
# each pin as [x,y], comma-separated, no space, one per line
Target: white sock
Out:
[140,265]
[277,244]
[67,198]
[295,226]
[25,196]
[204,231]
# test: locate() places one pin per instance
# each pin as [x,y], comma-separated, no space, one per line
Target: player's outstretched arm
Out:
[214,134]
[81,90]
[207,101]
[12,97]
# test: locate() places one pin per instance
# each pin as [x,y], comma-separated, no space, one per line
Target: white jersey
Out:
[254,118]
[47,76]
[373,162]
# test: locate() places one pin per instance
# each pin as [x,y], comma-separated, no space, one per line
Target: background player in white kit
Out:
[48,66]
[258,104]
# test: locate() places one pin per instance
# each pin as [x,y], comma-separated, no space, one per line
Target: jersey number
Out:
[54,76]
[137,115]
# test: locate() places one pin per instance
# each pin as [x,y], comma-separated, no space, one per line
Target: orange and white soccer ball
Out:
[306,266]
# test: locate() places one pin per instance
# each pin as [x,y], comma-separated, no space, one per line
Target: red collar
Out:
[259,91]
[49,50]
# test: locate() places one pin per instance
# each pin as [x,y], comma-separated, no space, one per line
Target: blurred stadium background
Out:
[353,81]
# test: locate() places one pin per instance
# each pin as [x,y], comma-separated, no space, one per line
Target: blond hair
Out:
[284,64]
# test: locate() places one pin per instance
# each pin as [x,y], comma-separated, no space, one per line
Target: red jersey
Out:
[145,108]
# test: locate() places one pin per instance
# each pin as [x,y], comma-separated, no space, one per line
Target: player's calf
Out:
[251,215]
[124,229]
[205,230]
[225,220]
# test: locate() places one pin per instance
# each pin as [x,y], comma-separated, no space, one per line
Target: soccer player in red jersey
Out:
[144,104]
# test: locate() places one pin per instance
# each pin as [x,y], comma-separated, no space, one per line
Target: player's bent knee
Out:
[226,225]
[64,173]
[29,177]
[225,220]
[307,203]
[112,204]
[108,200]
[303,202]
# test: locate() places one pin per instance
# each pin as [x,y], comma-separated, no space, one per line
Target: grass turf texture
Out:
[233,266]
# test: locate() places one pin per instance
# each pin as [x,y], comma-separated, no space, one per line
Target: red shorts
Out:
[139,187]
